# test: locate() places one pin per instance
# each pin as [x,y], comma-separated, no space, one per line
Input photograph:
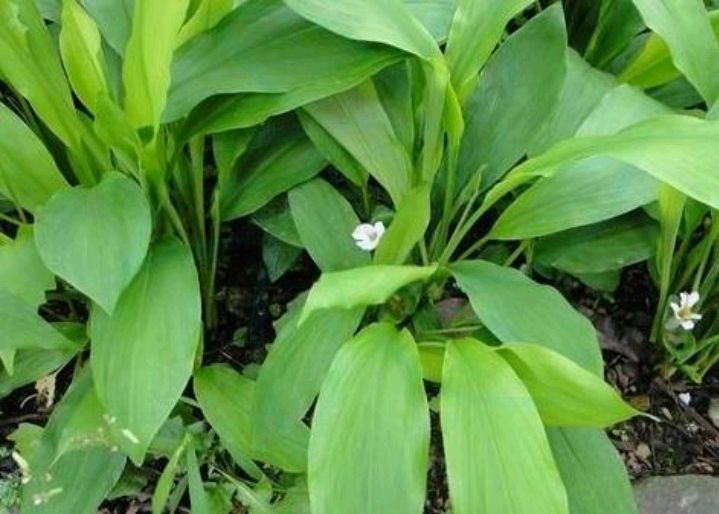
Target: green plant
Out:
[129,138]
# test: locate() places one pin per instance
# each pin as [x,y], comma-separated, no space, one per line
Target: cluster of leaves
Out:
[131,130]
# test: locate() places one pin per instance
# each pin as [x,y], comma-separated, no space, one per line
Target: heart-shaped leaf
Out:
[96,238]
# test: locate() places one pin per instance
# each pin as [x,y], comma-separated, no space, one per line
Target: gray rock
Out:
[687,494]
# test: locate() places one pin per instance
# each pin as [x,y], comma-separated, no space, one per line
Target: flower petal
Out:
[693,298]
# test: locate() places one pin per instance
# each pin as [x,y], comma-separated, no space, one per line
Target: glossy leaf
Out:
[580,194]
[369,449]
[592,471]
[290,379]
[684,26]
[146,68]
[498,456]
[564,393]
[29,175]
[407,228]
[325,222]
[499,129]
[360,287]
[154,331]
[602,247]
[382,21]
[216,62]
[81,50]
[226,398]
[116,213]
[22,272]
[476,29]
[357,120]
[500,297]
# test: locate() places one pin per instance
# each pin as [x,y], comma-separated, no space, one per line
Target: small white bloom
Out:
[367,236]
[685,398]
[683,314]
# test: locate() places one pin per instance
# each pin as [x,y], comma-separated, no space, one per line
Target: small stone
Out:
[643,451]
[713,411]
[688,494]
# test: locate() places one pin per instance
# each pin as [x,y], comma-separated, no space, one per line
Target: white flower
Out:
[683,314]
[367,236]
[685,398]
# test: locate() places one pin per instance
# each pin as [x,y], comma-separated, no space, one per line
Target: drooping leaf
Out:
[407,229]
[498,456]
[675,149]
[290,379]
[579,194]
[599,248]
[114,18]
[593,473]
[564,393]
[28,174]
[325,222]
[382,21]
[146,68]
[435,15]
[81,50]
[618,22]
[153,331]
[22,272]
[509,106]
[500,296]
[111,225]
[226,398]
[282,159]
[207,15]
[360,287]
[476,29]
[216,62]
[357,120]
[278,256]
[369,449]
[684,26]
[23,328]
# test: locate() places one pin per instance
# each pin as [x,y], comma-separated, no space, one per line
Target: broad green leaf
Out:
[619,21]
[394,90]
[216,62]
[28,175]
[579,194]
[153,331]
[276,219]
[290,379]
[407,229]
[226,398]
[228,147]
[498,456]
[111,225]
[23,328]
[360,287]
[432,357]
[499,128]
[593,473]
[369,449]
[357,120]
[582,90]
[50,9]
[333,151]
[325,222]
[22,272]
[679,150]
[114,18]
[602,247]
[435,15]
[476,29]
[31,365]
[278,256]
[281,160]
[382,21]
[207,15]
[564,393]
[684,26]
[30,62]
[501,298]
[146,69]
[67,480]
[81,50]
